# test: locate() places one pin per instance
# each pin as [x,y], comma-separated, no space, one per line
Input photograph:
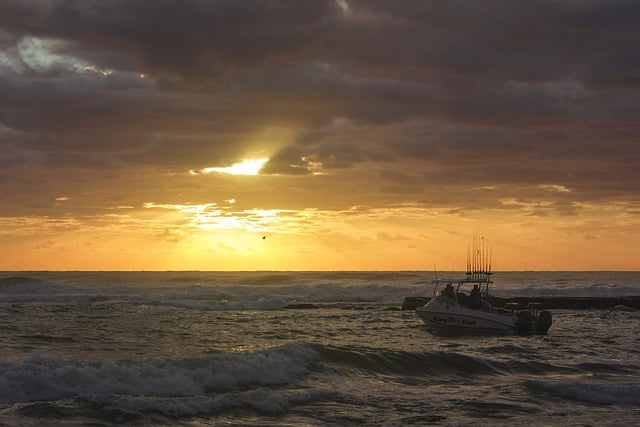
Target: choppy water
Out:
[180,348]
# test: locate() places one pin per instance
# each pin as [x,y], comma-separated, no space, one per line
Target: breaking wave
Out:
[454,364]
[209,291]
[186,385]
[407,363]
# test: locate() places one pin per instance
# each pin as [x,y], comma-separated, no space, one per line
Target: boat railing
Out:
[483,286]
[534,307]
[512,306]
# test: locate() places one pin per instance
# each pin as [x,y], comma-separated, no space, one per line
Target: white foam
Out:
[254,291]
[41,378]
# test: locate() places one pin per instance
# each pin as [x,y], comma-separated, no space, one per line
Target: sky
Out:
[319,135]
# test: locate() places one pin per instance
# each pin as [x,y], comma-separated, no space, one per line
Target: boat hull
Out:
[467,319]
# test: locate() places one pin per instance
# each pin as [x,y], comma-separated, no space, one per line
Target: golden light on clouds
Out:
[554,188]
[223,237]
[344,151]
[245,167]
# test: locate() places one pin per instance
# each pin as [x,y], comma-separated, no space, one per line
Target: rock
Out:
[411,303]
[547,303]
[302,306]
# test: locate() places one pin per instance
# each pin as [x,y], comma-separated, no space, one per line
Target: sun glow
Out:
[246,167]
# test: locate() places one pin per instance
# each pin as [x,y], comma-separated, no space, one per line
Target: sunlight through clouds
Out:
[245,167]
[211,216]
[554,188]
[156,135]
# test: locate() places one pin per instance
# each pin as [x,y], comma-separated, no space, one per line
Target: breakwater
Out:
[549,303]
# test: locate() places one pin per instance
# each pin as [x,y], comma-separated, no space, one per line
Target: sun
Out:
[245,167]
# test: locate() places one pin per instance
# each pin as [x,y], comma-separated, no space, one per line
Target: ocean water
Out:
[209,348]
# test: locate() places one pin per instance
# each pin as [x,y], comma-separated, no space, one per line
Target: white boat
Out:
[452,309]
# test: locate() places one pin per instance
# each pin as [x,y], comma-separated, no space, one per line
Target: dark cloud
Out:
[411,94]
[528,41]
[523,40]
[186,38]
[615,72]
[290,161]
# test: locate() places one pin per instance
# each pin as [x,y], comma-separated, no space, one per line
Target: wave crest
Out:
[41,378]
[408,363]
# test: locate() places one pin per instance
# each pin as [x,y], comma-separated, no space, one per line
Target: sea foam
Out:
[43,378]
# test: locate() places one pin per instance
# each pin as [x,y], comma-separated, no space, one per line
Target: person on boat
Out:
[448,291]
[476,298]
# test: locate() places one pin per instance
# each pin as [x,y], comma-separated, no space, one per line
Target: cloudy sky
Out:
[306,135]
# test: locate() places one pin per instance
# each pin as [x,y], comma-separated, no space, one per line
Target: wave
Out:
[590,393]
[261,399]
[40,378]
[18,285]
[407,363]
[268,291]
[202,296]
[454,364]
[593,291]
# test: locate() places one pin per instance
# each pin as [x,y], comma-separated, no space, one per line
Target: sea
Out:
[304,349]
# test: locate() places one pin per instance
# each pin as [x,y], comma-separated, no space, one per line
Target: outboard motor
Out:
[544,322]
[524,324]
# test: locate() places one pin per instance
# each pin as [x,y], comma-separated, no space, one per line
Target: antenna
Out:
[479,261]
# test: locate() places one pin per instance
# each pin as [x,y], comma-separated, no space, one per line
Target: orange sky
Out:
[350,135]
